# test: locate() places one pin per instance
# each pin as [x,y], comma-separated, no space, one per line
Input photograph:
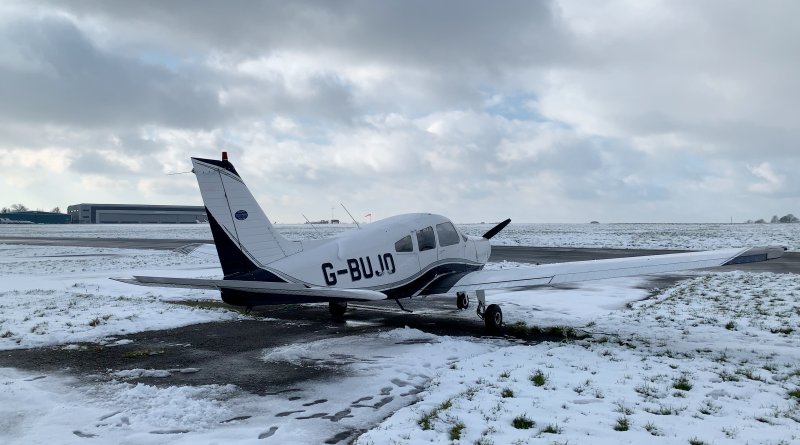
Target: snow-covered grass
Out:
[612,236]
[712,360]
[60,295]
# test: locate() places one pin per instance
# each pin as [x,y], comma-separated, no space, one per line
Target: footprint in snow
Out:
[85,435]
[315,402]
[400,383]
[313,416]
[269,433]
[386,391]
[236,418]
[339,416]
[287,413]
[338,437]
[361,400]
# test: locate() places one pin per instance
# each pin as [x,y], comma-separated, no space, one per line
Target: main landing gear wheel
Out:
[337,309]
[462,300]
[493,317]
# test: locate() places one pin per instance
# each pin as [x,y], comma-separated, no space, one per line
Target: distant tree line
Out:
[23,208]
[775,220]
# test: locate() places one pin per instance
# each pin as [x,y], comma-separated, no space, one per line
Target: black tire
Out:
[493,317]
[462,300]
[337,309]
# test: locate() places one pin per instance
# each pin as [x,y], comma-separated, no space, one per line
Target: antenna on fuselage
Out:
[312,225]
[351,216]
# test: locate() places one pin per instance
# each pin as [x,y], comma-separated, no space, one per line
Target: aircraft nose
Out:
[483,249]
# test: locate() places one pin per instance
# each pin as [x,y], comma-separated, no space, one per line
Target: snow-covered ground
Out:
[391,369]
[612,236]
[712,360]
[62,295]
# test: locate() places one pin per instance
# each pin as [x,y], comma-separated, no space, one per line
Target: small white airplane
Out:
[398,257]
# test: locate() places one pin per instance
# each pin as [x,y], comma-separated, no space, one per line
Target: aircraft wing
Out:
[599,269]
[262,287]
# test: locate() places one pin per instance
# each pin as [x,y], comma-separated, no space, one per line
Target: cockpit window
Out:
[447,234]
[425,239]
[404,245]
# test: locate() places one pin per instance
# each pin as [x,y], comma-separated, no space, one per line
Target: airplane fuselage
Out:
[397,256]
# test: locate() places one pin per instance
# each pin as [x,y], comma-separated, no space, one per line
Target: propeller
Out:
[496,229]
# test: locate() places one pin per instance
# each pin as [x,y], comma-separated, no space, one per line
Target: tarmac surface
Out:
[229,352]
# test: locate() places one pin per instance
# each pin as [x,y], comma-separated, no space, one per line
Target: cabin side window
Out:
[426,239]
[447,234]
[404,245]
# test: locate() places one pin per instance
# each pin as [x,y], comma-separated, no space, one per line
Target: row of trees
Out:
[23,208]
[775,220]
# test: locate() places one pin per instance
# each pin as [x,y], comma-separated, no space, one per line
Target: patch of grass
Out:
[506,393]
[708,408]
[209,305]
[727,376]
[622,424]
[143,353]
[795,394]
[664,410]
[523,423]
[751,374]
[455,431]
[722,358]
[646,389]
[784,331]
[622,409]
[538,378]
[505,374]
[771,367]
[696,441]
[7,334]
[732,433]
[651,428]
[682,383]
[731,325]
[551,429]
[95,322]
[426,421]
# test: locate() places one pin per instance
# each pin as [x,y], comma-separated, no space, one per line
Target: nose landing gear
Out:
[491,315]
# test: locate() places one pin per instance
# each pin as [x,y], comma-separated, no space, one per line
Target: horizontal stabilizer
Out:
[259,287]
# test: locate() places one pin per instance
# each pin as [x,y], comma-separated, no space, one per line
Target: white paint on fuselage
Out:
[371,248]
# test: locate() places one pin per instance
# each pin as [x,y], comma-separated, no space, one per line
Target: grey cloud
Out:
[476,33]
[85,86]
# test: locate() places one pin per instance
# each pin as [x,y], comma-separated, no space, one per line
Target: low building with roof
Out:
[136,214]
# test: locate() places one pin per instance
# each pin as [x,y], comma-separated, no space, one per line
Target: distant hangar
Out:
[136,214]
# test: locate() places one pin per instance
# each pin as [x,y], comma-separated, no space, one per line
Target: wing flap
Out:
[601,269]
[260,287]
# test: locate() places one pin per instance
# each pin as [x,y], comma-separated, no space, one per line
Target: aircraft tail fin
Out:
[245,238]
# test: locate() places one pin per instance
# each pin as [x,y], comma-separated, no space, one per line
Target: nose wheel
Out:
[492,315]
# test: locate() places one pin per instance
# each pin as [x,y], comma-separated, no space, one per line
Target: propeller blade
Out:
[496,229]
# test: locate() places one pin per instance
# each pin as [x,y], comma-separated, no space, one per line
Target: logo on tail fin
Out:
[241,215]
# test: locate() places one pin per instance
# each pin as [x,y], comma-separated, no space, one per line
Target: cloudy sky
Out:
[563,111]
